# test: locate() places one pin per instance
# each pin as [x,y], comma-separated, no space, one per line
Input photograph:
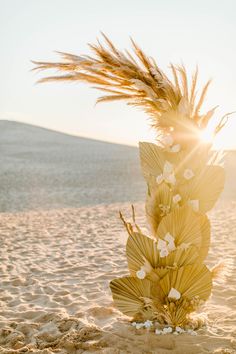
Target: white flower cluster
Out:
[194,203]
[167,175]
[146,324]
[166,330]
[176,198]
[167,245]
[168,141]
[188,174]
[176,331]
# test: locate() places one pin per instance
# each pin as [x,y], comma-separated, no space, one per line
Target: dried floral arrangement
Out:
[168,278]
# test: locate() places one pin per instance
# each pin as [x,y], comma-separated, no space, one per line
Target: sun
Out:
[207,135]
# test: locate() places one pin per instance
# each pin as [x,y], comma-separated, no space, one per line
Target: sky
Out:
[199,32]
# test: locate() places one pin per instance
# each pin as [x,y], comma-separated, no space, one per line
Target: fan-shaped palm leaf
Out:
[190,281]
[132,296]
[142,253]
[205,187]
[158,204]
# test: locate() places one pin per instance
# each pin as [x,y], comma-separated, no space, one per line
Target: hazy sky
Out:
[199,32]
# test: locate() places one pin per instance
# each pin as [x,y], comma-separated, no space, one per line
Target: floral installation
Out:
[168,278]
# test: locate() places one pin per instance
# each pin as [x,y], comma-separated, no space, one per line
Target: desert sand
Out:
[58,252]
[55,271]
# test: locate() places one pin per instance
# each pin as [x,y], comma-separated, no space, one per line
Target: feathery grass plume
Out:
[168,278]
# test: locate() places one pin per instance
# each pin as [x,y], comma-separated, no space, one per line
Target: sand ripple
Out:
[54,297]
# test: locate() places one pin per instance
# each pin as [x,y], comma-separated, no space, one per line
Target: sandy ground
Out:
[55,271]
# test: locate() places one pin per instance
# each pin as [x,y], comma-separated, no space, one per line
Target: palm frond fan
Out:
[168,279]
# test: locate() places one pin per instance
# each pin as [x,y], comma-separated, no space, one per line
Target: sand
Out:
[55,271]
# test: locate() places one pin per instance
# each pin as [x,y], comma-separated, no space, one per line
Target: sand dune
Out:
[42,169]
[55,270]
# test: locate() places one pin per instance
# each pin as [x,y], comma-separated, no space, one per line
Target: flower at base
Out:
[176,198]
[147,324]
[179,329]
[158,331]
[194,203]
[167,330]
[174,294]
[141,274]
[188,174]
[139,325]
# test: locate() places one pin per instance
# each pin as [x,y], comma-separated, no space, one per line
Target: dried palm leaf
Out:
[205,187]
[158,204]
[132,296]
[143,254]
[152,159]
[183,224]
[137,80]
[190,281]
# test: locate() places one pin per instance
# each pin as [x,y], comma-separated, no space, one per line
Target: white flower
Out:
[167,140]
[158,331]
[175,148]
[171,242]
[179,329]
[174,294]
[171,246]
[167,175]
[176,198]
[134,324]
[167,330]
[168,168]
[159,179]
[161,244]
[166,246]
[192,332]
[194,203]
[139,325]
[164,252]
[170,178]
[188,174]
[169,238]
[141,273]
[162,247]
[147,324]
